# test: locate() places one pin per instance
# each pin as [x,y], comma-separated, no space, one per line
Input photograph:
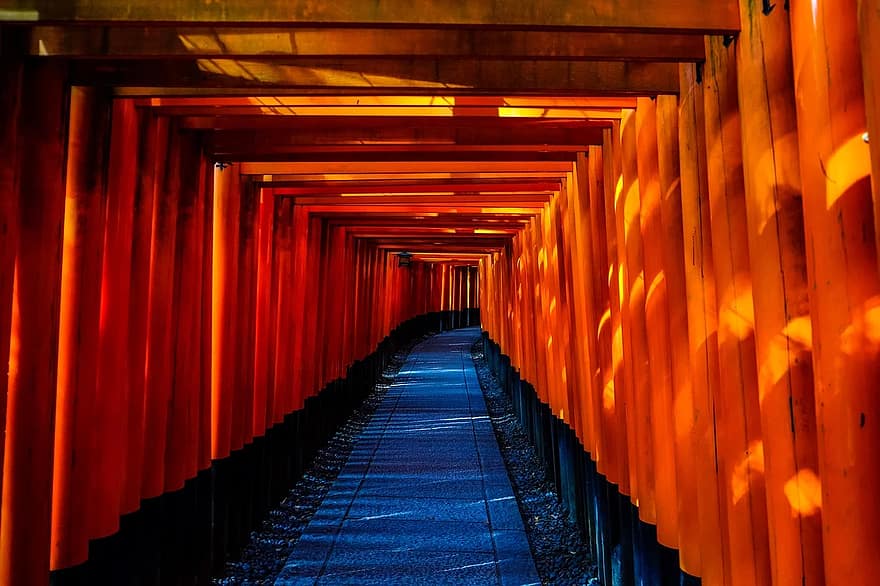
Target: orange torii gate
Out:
[668,220]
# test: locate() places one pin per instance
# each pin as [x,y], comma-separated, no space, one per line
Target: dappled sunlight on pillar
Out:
[804,493]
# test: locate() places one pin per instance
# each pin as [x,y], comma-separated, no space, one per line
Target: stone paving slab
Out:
[424,497]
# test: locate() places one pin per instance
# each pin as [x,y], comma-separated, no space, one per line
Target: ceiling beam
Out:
[281,180]
[417,188]
[641,15]
[257,121]
[397,102]
[329,167]
[399,138]
[277,43]
[386,75]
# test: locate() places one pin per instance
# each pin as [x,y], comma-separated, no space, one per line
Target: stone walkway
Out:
[424,497]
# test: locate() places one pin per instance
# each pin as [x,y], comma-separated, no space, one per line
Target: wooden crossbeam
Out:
[398,102]
[330,167]
[386,75]
[641,15]
[279,43]
[399,138]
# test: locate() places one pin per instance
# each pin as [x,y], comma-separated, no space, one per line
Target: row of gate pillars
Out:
[186,537]
[624,548]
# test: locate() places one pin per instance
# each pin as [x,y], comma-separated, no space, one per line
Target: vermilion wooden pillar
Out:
[741,447]
[27,469]
[614,399]
[869,35]
[263,330]
[627,393]
[10,105]
[205,439]
[227,201]
[642,421]
[843,281]
[582,379]
[602,323]
[706,556]
[159,371]
[76,437]
[298,291]
[113,382]
[243,404]
[181,461]
[657,324]
[682,399]
[782,323]
[285,364]
[138,310]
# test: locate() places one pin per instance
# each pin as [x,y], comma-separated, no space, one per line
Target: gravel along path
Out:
[264,556]
[561,554]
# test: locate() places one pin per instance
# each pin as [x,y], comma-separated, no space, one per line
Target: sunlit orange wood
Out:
[681,400]
[583,304]
[159,371]
[227,202]
[25,523]
[843,281]
[869,36]
[706,556]
[615,399]
[594,166]
[657,324]
[641,431]
[73,519]
[782,323]
[741,446]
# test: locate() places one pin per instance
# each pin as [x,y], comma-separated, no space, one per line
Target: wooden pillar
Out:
[614,398]
[138,312]
[657,325]
[682,399]
[284,376]
[602,323]
[706,556]
[263,327]
[779,269]
[638,359]
[299,287]
[741,447]
[227,201]
[181,460]
[869,35]
[243,402]
[10,106]
[39,161]
[75,432]
[112,392]
[206,430]
[583,310]
[162,309]
[843,281]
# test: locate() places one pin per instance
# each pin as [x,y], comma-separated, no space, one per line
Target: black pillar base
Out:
[625,548]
